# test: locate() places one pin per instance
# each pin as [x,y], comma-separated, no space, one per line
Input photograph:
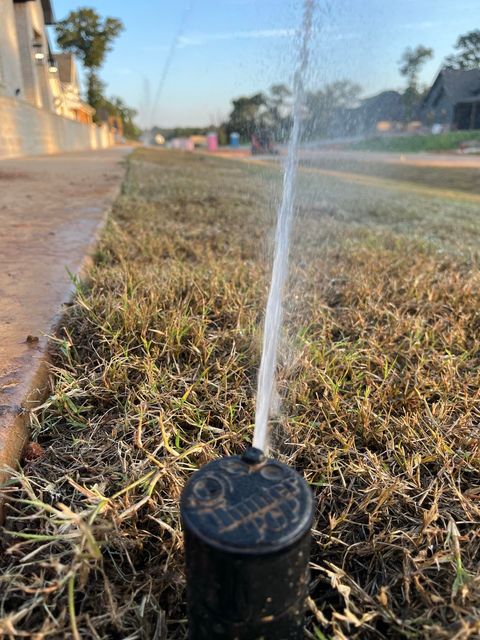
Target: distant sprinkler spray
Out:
[169,58]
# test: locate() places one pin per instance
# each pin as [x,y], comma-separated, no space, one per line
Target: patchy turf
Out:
[155,370]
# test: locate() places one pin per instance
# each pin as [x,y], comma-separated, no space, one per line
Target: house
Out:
[453,100]
[67,99]
[29,70]
[24,51]
[379,113]
[40,106]
[382,112]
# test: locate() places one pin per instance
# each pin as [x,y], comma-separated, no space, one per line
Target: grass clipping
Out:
[154,375]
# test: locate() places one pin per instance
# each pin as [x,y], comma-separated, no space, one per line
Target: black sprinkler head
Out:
[247,527]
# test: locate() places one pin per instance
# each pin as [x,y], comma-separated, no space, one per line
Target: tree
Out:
[127,115]
[410,64]
[271,111]
[468,56]
[278,109]
[412,61]
[116,107]
[95,92]
[84,33]
[247,115]
[327,106]
[262,111]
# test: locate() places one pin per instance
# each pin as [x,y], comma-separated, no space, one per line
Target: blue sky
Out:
[228,48]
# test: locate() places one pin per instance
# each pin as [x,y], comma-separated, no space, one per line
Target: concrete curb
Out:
[14,421]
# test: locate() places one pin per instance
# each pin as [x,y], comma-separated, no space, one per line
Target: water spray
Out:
[169,59]
[247,519]
[274,311]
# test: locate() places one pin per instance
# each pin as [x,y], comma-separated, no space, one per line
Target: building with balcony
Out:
[67,100]
[24,51]
[41,110]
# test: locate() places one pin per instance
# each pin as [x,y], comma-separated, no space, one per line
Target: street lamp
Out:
[38,53]
[52,66]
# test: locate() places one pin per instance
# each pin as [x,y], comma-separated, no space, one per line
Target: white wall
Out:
[10,70]
[40,69]
[28,130]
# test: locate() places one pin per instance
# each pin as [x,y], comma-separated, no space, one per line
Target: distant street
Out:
[441,175]
[448,160]
[335,156]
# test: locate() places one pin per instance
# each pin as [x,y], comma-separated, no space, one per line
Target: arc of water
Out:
[169,59]
[285,214]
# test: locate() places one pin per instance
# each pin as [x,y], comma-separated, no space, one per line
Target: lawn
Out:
[154,374]
[414,143]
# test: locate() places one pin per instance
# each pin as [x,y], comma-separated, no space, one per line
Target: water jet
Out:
[247,519]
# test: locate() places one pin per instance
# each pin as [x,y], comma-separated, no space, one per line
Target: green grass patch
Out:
[417,143]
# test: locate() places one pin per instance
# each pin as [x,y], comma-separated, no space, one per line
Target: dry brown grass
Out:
[155,370]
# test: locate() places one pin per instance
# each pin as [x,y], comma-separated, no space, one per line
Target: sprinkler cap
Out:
[247,505]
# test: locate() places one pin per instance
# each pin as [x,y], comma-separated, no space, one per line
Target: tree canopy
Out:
[410,65]
[324,105]
[88,36]
[261,111]
[115,106]
[272,111]
[468,56]
[412,61]
[246,115]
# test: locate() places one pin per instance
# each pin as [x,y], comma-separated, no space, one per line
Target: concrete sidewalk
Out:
[51,208]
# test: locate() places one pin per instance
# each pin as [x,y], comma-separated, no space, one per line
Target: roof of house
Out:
[48,12]
[382,97]
[47,9]
[387,105]
[459,84]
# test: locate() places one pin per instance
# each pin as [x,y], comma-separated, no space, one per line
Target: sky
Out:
[227,48]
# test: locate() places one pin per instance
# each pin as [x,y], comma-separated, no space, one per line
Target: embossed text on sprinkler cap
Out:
[247,508]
